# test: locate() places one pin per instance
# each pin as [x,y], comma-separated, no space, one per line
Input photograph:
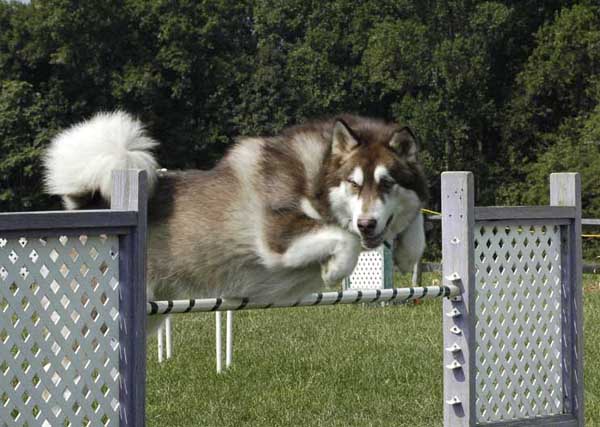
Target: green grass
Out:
[328,366]
[591,306]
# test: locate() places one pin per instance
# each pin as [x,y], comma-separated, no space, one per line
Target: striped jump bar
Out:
[400,295]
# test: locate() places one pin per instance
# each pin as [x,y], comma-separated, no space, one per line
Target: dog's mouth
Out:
[371,242]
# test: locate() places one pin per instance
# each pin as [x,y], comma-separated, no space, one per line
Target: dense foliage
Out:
[508,89]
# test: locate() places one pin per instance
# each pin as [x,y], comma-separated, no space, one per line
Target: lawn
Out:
[326,366]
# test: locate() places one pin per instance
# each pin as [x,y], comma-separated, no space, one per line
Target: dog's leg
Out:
[299,239]
[342,262]
[410,244]
[336,249]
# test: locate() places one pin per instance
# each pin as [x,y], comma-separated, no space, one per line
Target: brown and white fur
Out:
[277,217]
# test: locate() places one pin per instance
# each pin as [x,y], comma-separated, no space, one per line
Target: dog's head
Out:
[376,185]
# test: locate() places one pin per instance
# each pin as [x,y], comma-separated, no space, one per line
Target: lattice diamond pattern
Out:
[518,325]
[59,332]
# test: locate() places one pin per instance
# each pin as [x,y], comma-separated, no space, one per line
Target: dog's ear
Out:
[404,143]
[343,139]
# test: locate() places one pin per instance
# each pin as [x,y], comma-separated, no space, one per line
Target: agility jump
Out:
[512,312]
[399,295]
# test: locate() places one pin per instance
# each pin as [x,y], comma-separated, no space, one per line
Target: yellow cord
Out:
[587,236]
[430,212]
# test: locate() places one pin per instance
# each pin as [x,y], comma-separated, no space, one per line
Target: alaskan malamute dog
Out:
[277,218]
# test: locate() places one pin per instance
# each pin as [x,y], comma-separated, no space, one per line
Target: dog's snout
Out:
[367,225]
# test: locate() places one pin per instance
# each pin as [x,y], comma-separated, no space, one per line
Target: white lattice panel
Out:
[518,323]
[59,333]
[371,270]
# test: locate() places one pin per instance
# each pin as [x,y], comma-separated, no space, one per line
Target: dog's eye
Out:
[387,184]
[354,184]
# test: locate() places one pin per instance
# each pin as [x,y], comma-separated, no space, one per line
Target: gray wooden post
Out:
[130,194]
[565,190]
[458,268]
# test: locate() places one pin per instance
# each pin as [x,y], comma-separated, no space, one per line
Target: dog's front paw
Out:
[341,264]
[326,275]
[332,272]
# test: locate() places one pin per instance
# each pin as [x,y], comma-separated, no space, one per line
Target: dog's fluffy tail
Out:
[80,160]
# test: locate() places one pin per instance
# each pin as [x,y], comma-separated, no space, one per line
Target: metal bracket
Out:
[453,277]
[456,330]
[454,401]
[454,365]
[455,312]
[453,348]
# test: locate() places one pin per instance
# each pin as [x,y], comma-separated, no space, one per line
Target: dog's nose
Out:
[367,225]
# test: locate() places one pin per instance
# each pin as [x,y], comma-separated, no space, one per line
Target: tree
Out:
[483,83]
[24,128]
[558,82]
[575,148]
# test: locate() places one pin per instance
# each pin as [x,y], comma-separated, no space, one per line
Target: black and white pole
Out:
[398,295]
